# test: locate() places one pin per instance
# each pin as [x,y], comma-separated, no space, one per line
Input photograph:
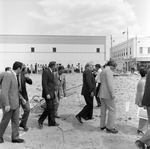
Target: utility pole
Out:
[111,46]
[136,53]
[127,52]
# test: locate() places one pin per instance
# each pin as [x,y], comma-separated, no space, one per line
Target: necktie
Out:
[18,80]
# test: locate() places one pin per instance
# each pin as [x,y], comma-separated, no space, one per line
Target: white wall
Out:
[70,53]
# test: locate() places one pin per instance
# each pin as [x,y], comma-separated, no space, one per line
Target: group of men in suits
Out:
[52,83]
[14,93]
[105,93]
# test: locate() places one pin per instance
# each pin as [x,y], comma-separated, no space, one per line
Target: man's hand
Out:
[113,96]
[26,75]
[64,94]
[7,108]
[92,94]
[24,101]
[48,96]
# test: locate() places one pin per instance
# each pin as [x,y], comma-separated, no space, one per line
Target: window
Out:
[141,49]
[32,49]
[98,50]
[54,49]
[148,50]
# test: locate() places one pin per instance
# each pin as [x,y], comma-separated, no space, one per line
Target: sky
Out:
[76,17]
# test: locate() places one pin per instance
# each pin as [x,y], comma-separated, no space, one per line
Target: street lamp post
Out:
[111,46]
[127,52]
[136,53]
[111,41]
[127,49]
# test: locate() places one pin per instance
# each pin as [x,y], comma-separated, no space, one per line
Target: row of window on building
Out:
[122,53]
[142,49]
[54,49]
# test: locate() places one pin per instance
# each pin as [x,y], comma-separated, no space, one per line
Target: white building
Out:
[42,49]
[135,52]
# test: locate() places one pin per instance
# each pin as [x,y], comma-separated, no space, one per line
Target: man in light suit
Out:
[88,91]
[7,70]
[60,88]
[48,93]
[10,103]
[107,96]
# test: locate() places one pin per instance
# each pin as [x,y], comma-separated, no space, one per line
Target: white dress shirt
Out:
[97,78]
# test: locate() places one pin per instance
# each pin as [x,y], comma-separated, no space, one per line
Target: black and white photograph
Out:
[74,74]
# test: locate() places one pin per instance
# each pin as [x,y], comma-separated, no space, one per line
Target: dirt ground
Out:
[71,134]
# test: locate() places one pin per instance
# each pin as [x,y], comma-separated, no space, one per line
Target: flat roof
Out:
[51,39]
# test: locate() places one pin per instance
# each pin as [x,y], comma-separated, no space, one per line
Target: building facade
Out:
[132,53]
[42,49]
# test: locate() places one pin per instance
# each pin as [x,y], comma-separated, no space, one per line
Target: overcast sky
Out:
[76,17]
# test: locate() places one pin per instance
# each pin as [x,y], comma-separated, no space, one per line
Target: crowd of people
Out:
[14,94]
[102,87]
[38,68]
[98,82]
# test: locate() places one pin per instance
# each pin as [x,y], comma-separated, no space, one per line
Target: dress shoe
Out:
[87,118]
[140,132]
[98,106]
[102,128]
[56,116]
[79,119]
[24,127]
[40,125]
[140,144]
[1,140]
[18,140]
[55,124]
[113,130]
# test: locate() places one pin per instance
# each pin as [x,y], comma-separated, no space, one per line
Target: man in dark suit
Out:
[48,93]
[146,101]
[24,101]
[10,103]
[88,91]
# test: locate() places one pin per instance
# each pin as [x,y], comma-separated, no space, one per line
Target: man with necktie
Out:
[10,103]
[48,93]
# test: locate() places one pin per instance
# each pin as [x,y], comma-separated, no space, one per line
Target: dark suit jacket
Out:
[9,91]
[146,96]
[24,80]
[48,84]
[88,83]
